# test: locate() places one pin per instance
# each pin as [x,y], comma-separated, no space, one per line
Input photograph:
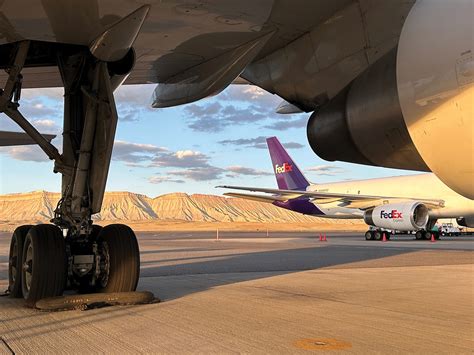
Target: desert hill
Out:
[127,206]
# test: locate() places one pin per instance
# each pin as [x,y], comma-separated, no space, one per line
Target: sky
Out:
[189,148]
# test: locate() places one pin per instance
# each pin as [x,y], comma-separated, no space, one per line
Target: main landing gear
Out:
[72,252]
[42,263]
[376,235]
[426,235]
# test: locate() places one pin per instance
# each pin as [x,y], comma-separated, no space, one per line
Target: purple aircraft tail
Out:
[287,173]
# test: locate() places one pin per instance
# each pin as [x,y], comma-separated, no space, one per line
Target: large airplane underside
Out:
[385,83]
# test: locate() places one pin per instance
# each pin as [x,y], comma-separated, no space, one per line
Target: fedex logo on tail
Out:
[285,168]
[394,214]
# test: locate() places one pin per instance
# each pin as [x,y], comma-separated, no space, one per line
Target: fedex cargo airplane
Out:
[404,203]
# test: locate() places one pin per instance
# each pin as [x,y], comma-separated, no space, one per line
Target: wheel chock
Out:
[95,300]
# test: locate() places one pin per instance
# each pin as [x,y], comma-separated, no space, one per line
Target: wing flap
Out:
[209,77]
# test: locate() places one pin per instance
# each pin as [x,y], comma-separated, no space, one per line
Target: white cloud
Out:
[242,170]
[132,153]
[326,170]
[199,174]
[25,153]
[159,179]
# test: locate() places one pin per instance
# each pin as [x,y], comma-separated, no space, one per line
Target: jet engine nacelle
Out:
[407,216]
[414,107]
[466,221]
[364,123]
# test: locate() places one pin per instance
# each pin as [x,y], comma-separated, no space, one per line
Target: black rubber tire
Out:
[427,235]
[419,235]
[15,260]
[369,235]
[48,263]
[378,235]
[124,258]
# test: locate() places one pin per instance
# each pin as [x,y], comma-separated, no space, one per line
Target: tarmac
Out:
[285,293]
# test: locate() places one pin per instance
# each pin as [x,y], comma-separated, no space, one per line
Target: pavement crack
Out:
[8,348]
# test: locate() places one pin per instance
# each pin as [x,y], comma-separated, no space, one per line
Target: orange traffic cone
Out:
[432,238]
[324,238]
[320,237]
[384,238]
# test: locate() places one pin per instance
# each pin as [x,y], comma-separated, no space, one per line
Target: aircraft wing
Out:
[196,49]
[258,198]
[19,138]
[345,200]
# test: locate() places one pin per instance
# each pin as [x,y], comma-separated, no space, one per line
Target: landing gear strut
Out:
[72,252]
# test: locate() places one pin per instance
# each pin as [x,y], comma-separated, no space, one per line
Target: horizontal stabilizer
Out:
[19,138]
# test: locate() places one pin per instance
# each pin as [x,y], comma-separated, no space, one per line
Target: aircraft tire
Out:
[369,235]
[378,235]
[43,263]
[427,235]
[419,235]
[119,248]
[15,260]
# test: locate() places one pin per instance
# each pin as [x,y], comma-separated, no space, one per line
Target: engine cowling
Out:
[466,221]
[364,123]
[412,109]
[406,216]
[435,76]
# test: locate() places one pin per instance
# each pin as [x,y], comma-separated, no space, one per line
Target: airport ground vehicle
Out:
[399,204]
[449,229]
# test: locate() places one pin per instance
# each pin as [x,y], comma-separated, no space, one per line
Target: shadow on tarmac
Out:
[228,269]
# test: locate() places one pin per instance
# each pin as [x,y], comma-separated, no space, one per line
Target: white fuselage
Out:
[422,186]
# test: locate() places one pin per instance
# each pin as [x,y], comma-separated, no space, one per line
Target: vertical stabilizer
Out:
[287,173]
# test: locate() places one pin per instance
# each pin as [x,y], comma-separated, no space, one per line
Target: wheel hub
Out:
[104,264]
[28,266]
[12,261]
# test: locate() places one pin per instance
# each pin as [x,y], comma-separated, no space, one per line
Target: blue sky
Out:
[189,148]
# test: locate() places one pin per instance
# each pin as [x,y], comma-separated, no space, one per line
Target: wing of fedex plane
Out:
[294,185]
[347,200]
